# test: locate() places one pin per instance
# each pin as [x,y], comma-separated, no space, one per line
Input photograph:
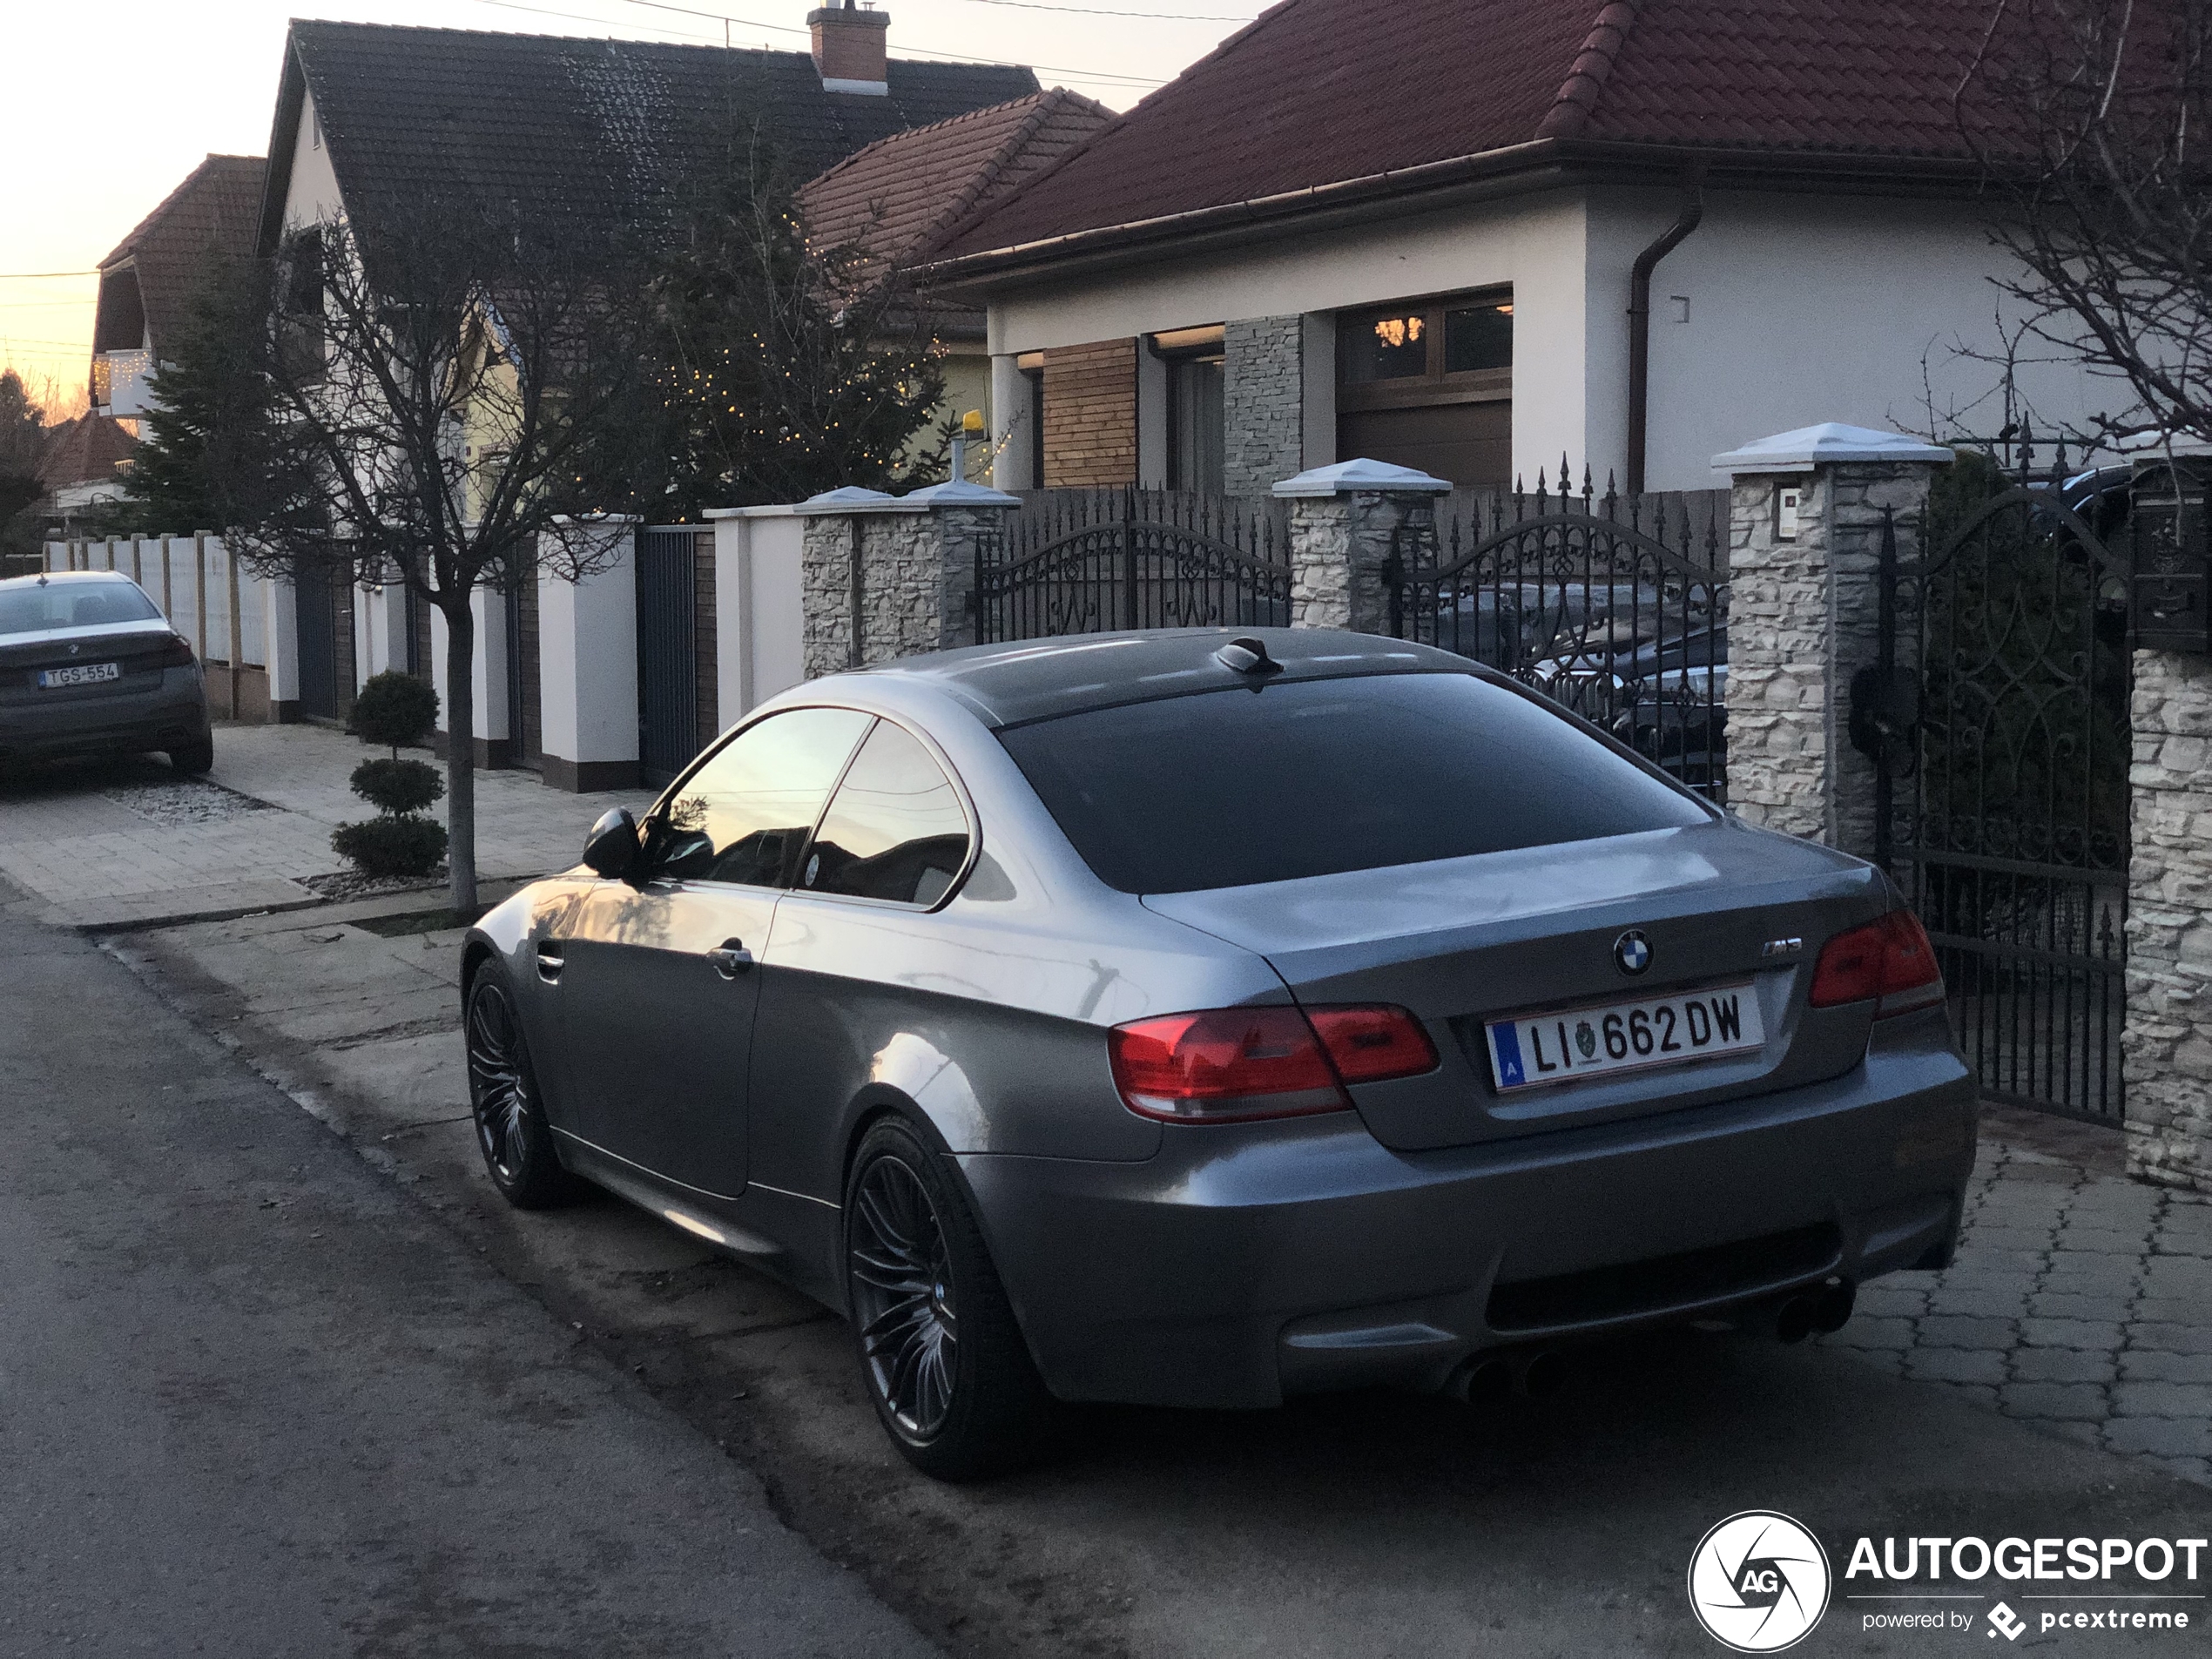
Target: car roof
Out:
[65,578]
[1035,679]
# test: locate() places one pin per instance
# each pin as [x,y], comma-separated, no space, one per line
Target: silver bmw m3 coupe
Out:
[1194,1020]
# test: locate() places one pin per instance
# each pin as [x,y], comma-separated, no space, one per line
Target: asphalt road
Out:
[421,1431]
[255,1401]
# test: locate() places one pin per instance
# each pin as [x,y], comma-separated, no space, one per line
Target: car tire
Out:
[504,1104]
[941,1354]
[194,759]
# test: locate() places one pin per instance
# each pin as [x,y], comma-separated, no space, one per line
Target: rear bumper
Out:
[1306,1256]
[168,717]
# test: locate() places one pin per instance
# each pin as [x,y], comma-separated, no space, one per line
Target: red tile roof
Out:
[1317,92]
[901,196]
[213,211]
[83,451]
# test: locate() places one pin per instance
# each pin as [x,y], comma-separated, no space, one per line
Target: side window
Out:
[895,830]
[744,816]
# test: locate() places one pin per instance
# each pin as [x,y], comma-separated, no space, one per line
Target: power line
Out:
[1102,79]
[912,51]
[1096,12]
[40,276]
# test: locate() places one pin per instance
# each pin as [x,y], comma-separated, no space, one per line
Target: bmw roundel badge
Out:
[1632,952]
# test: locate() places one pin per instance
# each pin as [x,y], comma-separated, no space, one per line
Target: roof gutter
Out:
[1540,163]
[1693,210]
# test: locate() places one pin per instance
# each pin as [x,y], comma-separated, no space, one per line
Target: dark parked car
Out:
[1163,1018]
[89,665]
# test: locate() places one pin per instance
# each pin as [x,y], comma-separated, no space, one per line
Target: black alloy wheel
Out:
[511,1130]
[903,1301]
[946,1365]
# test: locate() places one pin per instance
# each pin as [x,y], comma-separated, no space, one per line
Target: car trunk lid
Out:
[1465,941]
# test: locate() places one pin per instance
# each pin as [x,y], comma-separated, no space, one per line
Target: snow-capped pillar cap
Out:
[960,492]
[1346,477]
[1829,444]
[849,499]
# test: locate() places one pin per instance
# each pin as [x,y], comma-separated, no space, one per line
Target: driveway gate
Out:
[667,661]
[1085,561]
[1997,719]
[1621,618]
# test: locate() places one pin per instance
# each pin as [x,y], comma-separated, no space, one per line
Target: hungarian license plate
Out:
[1568,1044]
[80,674]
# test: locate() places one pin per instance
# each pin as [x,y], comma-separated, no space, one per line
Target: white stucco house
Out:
[589,134]
[1416,232]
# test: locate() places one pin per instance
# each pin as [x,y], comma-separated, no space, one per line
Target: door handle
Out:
[730,958]
[549,960]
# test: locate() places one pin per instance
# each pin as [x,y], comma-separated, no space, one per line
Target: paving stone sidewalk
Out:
[2079,1301]
[128,843]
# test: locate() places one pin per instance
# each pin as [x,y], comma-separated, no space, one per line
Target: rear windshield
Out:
[1315,776]
[31,609]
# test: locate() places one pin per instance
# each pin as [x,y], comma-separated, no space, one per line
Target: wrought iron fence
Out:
[1086,560]
[2002,788]
[1615,606]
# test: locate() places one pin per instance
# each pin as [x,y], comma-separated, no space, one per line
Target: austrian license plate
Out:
[80,674]
[1568,1044]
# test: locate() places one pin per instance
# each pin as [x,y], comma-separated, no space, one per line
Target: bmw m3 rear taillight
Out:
[1234,1065]
[175,651]
[1889,962]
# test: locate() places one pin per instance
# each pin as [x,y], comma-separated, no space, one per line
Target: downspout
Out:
[1693,209]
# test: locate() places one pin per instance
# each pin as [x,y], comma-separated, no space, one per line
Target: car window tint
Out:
[1310,777]
[31,609]
[895,830]
[745,815]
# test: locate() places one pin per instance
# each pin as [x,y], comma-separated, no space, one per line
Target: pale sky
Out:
[112,102]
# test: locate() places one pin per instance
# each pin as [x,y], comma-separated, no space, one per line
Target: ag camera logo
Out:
[1759,1581]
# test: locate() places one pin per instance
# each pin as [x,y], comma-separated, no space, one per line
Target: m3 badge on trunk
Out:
[1632,952]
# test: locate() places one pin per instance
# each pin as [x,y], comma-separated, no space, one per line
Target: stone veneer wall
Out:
[1803,619]
[1263,402]
[2167,1042]
[916,571]
[1338,546]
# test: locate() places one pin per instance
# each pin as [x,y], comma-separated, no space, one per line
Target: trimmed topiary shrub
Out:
[393,845]
[395,709]
[398,786]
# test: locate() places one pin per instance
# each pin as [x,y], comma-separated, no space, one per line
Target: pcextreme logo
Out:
[1759,1581]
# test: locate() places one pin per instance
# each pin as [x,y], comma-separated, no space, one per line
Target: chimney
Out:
[849,49]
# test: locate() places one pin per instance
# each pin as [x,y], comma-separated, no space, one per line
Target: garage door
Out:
[1467,443]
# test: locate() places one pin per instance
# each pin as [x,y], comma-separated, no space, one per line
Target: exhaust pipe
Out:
[1832,1309]
[1481,1381]
[1795,1322]
[1544,1374]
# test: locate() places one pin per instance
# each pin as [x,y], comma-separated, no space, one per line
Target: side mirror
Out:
[611,847]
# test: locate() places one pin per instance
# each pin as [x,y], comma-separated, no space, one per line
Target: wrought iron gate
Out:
[1079,562]
[1998,717]
[1624,624]
[667,667]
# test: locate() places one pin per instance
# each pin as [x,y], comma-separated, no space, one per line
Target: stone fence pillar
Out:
[1805,518]
[2167,1044]
[1346,521]
[884,576]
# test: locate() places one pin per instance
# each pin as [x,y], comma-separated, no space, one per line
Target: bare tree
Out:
[2090,115]
[455,394]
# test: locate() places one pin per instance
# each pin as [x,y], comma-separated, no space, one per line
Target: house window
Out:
[1429,383]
